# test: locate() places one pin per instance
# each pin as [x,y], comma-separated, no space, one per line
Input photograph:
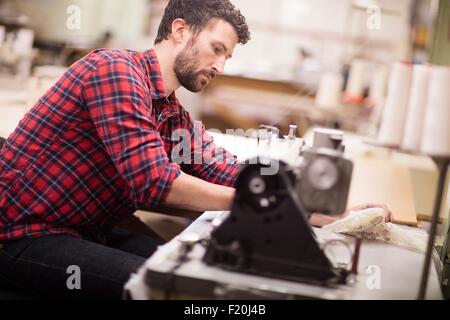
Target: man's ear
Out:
[179,30]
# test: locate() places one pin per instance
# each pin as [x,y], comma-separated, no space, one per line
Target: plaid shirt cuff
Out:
[162,188]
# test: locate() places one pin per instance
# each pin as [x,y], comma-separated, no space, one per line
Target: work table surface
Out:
[385,271]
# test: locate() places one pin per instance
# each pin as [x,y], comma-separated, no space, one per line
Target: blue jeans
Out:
[40,267]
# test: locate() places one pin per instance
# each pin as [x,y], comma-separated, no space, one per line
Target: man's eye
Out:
[217,50]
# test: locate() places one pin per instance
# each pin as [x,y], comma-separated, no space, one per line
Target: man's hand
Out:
[319,220]
[388,216]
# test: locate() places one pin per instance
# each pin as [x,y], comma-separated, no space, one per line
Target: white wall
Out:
[327,28]
[125,19]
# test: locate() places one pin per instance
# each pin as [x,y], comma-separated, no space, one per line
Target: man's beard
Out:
[186,70]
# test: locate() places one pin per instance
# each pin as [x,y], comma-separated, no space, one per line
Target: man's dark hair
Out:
[197,14]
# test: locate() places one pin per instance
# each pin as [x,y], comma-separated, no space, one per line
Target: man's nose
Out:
[219,66]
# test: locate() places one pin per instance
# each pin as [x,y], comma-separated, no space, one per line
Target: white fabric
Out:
[370,224]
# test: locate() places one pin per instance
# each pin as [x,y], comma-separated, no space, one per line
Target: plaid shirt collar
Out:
[157,89]
[164,107]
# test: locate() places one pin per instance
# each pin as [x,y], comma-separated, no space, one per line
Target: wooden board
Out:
[381,181]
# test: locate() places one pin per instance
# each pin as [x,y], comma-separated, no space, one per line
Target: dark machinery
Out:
[268,231]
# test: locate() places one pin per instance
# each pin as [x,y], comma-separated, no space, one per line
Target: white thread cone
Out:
[394,114]
[436,130]
[416,108]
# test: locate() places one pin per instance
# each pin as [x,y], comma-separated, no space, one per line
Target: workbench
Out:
[399,269]
[384,272]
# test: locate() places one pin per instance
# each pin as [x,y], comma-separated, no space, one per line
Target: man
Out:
[97,146]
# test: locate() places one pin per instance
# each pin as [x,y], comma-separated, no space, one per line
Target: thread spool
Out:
[436,128]
[24,41]
[394,113]
[377,93]
[330,90]
[354,90]
[416,108]
[378,86]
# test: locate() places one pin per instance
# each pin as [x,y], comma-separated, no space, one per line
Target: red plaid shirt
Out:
[96,147]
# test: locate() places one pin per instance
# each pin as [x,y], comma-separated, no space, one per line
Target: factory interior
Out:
[348,100]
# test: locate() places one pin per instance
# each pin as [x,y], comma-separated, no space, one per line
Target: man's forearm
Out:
[191,193]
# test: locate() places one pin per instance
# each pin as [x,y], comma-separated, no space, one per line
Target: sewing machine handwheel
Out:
[261,192]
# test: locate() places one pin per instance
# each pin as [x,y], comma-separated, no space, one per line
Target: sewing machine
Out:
[271,210]
[320,173]
[177,271]
[265,247]
[267,233]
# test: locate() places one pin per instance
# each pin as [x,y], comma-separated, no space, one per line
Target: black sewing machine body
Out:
[268,231]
